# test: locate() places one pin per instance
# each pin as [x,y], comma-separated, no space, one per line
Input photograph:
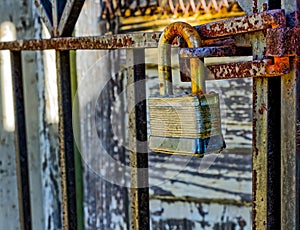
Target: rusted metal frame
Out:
[244,24]
[261,110]
[266,141]
[139,192]
[66,141]
[21,143]
[135,40]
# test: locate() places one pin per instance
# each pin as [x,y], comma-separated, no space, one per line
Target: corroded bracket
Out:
[258,68]
[281,42]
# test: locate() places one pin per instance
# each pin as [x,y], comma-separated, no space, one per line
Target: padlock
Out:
[184,124]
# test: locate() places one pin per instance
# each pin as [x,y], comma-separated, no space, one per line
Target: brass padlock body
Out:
[184,124]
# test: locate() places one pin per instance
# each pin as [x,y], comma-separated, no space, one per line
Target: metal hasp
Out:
[229,38]
[184,124]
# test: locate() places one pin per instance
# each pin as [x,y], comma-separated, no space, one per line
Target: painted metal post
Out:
[138,140]
[266,139]
[290,130]
[66,141]
[21,142]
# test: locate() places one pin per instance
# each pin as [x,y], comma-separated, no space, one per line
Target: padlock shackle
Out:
[193,40]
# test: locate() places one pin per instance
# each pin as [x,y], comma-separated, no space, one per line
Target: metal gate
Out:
[274,37]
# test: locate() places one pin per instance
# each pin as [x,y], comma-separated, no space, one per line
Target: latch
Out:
[229,38]
[191,124]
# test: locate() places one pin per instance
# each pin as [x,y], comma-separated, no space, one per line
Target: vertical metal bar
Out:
[138,140]
[77,156]
[274,149]
[66,141]
[21,142]
[259,155]
[266,140]
[266,152]
[290,139]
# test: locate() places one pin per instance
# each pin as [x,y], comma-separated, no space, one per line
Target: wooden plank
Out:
[226,176]
[168,214]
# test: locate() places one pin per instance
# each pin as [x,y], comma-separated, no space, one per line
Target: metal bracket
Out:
[281,42]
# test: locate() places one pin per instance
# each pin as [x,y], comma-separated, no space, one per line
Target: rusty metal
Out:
[66,140]
[244,24]
[290,139]
[191,37]
[139,192]
[283,41]
[21,143]
[232,27]
[290,127]
[258,68]
[135,40]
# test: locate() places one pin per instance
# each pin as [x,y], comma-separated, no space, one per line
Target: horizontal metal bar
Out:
[215,51]
[231,27]
[257,68]
[244,24]
[283,42]
[134,40]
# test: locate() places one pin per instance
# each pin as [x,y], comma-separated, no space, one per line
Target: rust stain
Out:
[254,188]
[262,108]
[283,42]
[281,65]
[258,68]
[244,24]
